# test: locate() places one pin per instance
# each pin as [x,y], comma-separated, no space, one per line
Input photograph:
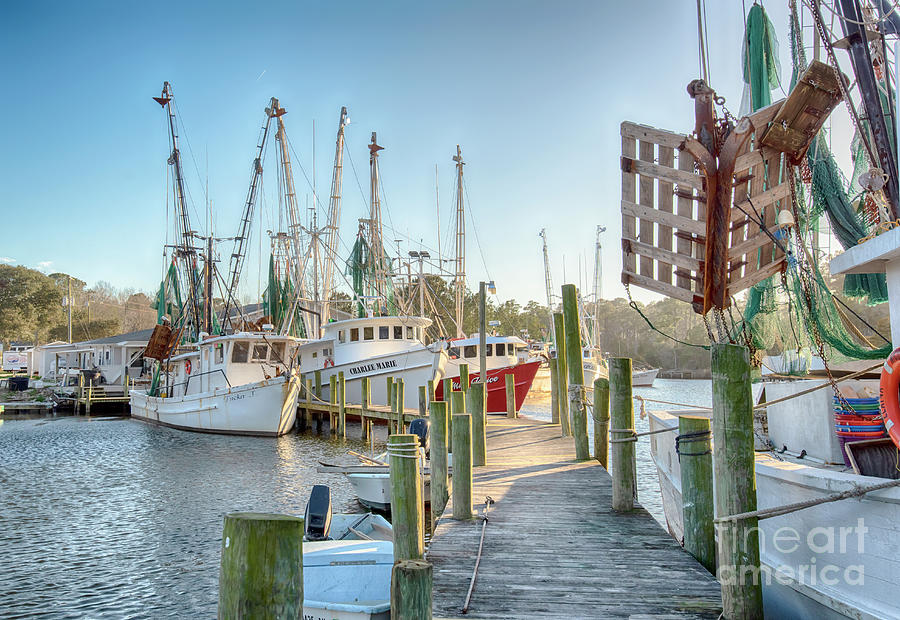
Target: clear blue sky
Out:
[534,92]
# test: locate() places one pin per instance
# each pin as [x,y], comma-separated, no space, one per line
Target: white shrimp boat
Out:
[347,580]
[375,347]
[834,560]
[644,378]
[239,384]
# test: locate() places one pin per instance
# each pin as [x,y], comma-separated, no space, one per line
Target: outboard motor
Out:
[419,427]
[318,513]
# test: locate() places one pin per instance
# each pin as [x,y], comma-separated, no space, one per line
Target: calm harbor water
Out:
[114,518]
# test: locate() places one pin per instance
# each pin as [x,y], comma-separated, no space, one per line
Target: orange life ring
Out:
[187,366]
[329,363]
[889,395]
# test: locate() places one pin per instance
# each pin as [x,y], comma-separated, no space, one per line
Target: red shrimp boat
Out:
[501,359]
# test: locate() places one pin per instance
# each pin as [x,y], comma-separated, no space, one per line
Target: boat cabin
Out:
[221,362]
[351,340]
[500,352]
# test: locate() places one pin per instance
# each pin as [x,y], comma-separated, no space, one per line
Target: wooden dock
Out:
[553,547]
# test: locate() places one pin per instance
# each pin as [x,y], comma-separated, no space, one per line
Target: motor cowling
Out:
[318,513]
[419,427]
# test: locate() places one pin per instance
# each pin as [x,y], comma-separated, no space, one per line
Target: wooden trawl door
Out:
[663,214]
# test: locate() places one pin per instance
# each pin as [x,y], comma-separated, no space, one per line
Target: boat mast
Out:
[334,217]
[186,250]
[460,281]
[548,286]
[376,243]
[598,286]
[239,251]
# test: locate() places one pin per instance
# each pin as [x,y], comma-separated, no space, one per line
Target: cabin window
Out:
[470,351]
[107,355]
[384,332]
[489,350]
[342,336]
[220,353]
[354,334]
[453,352]
[315,354]
[587,355]
[206,354]
[239,352]
[260,351]
[501,349]
[409,333]
[326,351]
[398,332]
[278,352]
[368,333]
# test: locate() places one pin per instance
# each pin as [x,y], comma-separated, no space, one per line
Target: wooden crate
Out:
[664,219]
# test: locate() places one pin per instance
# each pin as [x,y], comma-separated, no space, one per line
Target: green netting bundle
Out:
[762,71]
[371,278]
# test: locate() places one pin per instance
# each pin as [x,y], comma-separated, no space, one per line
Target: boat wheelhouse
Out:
[375,347]
[237,384]
[501,359]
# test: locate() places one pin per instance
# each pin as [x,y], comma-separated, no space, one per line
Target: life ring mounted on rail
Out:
[889,395]
[329,363]
[187,366]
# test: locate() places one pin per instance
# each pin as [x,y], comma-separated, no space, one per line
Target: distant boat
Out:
[347,580]
[644,378]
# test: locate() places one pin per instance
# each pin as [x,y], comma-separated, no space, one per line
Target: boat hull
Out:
[262,408]
[374,490]
[523,374]
[644,378]
[347,580]
[415,368]
[856,577]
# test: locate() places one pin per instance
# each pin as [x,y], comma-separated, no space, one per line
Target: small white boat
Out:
[347,580]
[644,378]
[374,490]
[366,526]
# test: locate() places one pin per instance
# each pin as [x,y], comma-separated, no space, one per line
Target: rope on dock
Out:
[777,511]
[577,394]
[408,450]
[699,436]
[488,500]
[633,435]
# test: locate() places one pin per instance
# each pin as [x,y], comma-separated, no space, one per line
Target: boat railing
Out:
[200,374]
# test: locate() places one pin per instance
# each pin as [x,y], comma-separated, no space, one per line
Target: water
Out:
[115,518]
[689,392]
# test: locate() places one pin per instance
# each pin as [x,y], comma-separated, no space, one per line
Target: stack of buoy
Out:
[862,421]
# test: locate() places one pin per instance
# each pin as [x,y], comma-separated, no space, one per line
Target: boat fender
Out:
[187,366]
[889,395]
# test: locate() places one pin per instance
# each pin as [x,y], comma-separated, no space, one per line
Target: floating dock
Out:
[553,547]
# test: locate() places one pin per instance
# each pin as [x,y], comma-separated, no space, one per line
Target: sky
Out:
[533,92]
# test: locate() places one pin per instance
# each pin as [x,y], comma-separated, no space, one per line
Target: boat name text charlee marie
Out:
[373,366]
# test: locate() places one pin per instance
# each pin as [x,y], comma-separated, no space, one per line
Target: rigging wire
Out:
[475,228]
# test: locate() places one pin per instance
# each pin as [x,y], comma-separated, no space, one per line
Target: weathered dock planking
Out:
[554,548]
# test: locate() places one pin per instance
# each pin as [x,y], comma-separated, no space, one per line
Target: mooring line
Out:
[487,504]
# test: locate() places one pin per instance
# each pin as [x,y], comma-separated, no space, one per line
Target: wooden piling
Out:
[430,388]
[601,421]
[562,374]
[440,435]
[457,405]
[423,401]
[407,507]
[365,396]
[462,466]
[342,405]
[261,571]
[390,391]
[400,388]
[448,387]
[622,421]
[554,391]
[577,394]
[318,376]
[411,585]
[738,569]
[463,377]
[393,392]
[695,457]
[475,406]
[333,399]
[510,380]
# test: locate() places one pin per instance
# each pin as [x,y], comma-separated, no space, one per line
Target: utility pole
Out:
[460,282]
[482,335]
